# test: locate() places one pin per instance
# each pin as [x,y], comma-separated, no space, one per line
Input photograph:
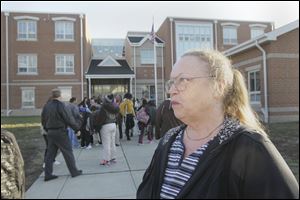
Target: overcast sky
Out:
[114,19]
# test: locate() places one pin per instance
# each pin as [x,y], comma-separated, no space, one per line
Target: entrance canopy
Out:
[109,75]
[109,68]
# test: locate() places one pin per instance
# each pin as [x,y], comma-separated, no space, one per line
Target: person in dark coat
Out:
[222,150]
[165,119]
[56,117]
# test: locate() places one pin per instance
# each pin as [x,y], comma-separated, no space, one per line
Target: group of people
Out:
[96,121]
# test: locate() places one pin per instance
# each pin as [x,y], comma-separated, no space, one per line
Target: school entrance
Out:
[109,75]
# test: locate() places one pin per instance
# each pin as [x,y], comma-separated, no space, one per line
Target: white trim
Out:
[230,24]
[65,88]
[7,64]
[193,24]
[64,40]
[27,88]
[26,17]
[266,109]
[110,76]
[45,80]
[109,58]
[64,55]
[30,89]
[172,53]
[27,73]
[283,109]
[212,19]
[134,65]
[63,19]
[146,37]
[253,68]
[258,26]
[42,84]
[81,51]
[216,34]
[27,55]
[64,73]
[254,92]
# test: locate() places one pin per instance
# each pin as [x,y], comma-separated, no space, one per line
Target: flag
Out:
[152,34]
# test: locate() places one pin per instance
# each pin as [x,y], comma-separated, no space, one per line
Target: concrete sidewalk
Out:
[117,181]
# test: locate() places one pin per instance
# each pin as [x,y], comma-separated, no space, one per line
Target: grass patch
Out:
[31,143]
[285,136]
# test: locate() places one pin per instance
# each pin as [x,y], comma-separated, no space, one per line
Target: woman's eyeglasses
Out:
[180,83]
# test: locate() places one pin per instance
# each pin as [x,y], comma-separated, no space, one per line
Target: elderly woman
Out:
[222,150]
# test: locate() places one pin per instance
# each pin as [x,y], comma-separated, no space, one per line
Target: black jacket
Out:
[56,115]
[247,165]
[165,119]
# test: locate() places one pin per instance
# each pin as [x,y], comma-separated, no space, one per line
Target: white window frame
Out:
[193,35]
[27,57]
[249,86]
[65,98]
[147,56]
[23,97]
[233,36]
[64,66]
[26,32]
[254,30]
[64,30]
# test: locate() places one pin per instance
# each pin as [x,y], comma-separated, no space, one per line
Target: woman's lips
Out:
[175,103]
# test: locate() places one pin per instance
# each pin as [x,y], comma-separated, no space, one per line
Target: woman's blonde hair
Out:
[230,85]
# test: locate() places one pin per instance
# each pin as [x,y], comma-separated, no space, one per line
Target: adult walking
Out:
[107,118]
[56,117]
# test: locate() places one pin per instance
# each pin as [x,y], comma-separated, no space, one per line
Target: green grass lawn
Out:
[285,136]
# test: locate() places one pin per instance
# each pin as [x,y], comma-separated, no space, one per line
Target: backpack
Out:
[142,116]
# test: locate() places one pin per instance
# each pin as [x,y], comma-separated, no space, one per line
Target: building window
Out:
[191,36]
[27,30]
[66,93]
[64,30]
[147,56]
[254,86]
[230,35]
[27,97]
[64,64]
[256,32]
[27,64]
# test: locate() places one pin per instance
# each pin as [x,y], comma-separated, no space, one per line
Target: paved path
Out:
[117,181]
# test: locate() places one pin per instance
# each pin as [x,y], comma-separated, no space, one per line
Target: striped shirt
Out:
[180,169]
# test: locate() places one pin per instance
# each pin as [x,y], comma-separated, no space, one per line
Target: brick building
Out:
[270,65]
[42,51]
[39,52]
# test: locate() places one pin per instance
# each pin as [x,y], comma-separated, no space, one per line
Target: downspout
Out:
[81,54]
[266,109]
[7,73]
[171,30]
[134,72]
[216,35]
[162,72]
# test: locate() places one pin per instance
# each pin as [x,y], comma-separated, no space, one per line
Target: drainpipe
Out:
[171,30]
[134,72]
[7,73]
[81,54]
[216,35]
[162,72]
[266,109]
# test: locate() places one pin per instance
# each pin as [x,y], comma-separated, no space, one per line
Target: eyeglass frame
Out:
[187,79]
